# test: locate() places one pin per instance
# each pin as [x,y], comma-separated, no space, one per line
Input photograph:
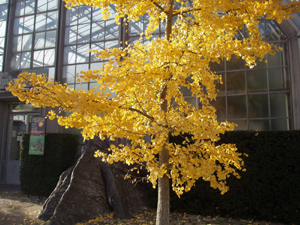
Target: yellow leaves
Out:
[140,89]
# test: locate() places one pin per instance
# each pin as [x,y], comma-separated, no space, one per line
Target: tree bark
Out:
[163,201]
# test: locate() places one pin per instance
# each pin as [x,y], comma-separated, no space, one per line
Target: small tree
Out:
[147,80]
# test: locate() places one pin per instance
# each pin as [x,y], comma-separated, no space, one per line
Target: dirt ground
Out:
[19,209]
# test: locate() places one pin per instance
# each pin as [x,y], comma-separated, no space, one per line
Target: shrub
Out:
[39,174]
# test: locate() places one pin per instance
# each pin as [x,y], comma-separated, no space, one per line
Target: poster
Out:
[37,136]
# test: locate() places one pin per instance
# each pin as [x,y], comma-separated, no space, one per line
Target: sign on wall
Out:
[37,136]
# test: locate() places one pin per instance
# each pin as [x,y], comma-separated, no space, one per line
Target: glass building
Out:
[43,36]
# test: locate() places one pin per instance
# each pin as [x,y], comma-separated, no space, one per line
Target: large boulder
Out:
[92,188]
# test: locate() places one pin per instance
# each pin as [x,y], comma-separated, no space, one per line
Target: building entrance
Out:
[19,122]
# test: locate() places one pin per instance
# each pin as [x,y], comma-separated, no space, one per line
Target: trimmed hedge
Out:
[269,189]
[39,174]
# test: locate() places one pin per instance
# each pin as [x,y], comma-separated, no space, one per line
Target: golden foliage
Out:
[139,92]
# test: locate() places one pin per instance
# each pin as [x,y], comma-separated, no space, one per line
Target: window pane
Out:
[71,17]
[220,106]
[259,125]
[261,63]
[221,86]
[20,8]
[17,44]
[50,39]
[214,66]
[274,60]
[52,19]
[82,53]
[186,91]
[279,105]
[38,58]
[111,44]
[111,30]
[52,4]
[18,26]
[261,27]
[235,63]
[83,86]
[49,57]
[257,80]
[3,10]
[1,46]
[25,60]
[39,40]
[98,31]
[192,101]
[68,75]
[96,46]
[82,67]
[83,33]
[51,73]
[136,27]
[84,14]
[40,23]
[272,31]
[236,106]
[236,82]
[97,15]
[70,55]
[29,8]
[277,79]
[27,42]
[28,24]
[42,5]
[241,124]
[2,28]
[1,63]
[71,35]
[15,61]
[280,124]
[258,106]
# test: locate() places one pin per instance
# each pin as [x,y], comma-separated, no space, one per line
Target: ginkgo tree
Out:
[147,81]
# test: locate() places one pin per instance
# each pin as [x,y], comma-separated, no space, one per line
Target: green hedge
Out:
[269,189]
[39,174]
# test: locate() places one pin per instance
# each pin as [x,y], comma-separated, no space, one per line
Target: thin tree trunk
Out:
[163,201]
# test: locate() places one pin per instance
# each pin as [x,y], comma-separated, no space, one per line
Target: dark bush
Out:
[39,174]
[268,190]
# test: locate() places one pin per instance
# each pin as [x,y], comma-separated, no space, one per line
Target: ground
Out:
[19,209]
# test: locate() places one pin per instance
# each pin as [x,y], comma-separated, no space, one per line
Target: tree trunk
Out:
[163,201]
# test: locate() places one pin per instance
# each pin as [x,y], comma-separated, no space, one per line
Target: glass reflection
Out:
[279,105]
[83,33]
[3,12]
[280,124]
[259,125]
[25,60]
[258,106]
[98,31]
[39,40]
[49,57]
[28,24]
[82,53]
[257,80]
[277,78]
[236,106]
[236,82]
[274,60]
